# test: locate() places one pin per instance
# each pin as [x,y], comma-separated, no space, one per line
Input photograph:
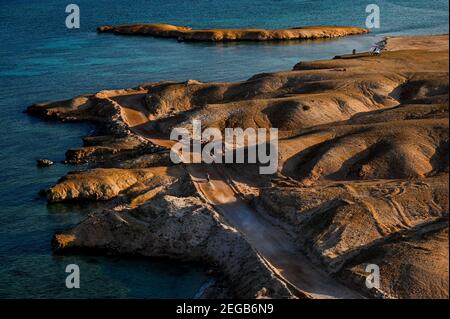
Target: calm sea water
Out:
[42,60]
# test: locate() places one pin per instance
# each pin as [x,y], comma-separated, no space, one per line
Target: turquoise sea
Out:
[40,59]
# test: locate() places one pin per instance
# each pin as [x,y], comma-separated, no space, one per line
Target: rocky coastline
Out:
[362,178]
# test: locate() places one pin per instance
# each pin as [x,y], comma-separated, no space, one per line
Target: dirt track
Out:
[271,242]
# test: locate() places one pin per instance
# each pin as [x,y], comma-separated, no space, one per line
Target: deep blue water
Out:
[42,60]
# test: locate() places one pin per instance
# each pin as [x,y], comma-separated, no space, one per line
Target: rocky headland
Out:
[362,177]
[222,35]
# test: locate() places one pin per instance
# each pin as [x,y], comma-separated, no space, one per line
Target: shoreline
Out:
[108,107]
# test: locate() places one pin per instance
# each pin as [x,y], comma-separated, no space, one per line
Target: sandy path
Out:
[271,242]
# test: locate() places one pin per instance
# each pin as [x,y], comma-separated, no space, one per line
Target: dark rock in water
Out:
[44,162]
[42,193]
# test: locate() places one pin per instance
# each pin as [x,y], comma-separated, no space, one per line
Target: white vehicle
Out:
[376,51]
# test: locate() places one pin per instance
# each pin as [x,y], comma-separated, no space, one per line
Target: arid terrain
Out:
[222,35]
[362,177]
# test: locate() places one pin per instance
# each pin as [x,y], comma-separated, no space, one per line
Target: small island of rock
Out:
[222,35]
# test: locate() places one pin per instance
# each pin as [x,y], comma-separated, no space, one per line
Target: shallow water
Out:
[42,60]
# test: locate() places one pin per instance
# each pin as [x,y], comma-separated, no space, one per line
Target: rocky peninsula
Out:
[222,35]
[362,177]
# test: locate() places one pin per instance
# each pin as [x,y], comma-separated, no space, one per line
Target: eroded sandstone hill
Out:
[362,178]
